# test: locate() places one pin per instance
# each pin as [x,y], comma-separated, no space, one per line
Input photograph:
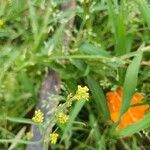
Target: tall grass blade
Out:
[99,97]
[145,10]
[130,82]
[118,28]
[33,18]
[75,111]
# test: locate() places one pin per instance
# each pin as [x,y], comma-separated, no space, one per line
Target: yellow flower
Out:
[2,22]
[62,118]
[38,117]
[29,135]
[54,138]
[82,93]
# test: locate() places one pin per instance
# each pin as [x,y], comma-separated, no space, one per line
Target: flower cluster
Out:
[38,117]
[82,93]
[62,118]
[54,138]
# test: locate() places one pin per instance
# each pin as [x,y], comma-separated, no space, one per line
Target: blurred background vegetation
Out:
[105,36]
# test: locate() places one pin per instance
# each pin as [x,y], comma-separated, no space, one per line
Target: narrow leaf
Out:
[96,133]
[130,82]
[17,137]
[87,48]
[18,120]
[99,97]
[72,117]
[117,21]
[33,18]
[145,10]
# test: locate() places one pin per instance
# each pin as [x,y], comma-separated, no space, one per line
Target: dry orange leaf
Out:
[133,114]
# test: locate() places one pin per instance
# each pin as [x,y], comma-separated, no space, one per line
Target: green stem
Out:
[19,141]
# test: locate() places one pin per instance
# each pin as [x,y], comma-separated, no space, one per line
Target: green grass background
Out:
[109,47]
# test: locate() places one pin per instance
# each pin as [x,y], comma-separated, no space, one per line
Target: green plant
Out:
[109,47]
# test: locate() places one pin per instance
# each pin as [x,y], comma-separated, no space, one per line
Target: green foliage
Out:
[99,97]
[108,47]
[130,83]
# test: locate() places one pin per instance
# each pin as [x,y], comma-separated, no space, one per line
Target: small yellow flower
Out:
[29,135]
[62,118]
[2,22]
[54,138]
[38,117]
[82,93]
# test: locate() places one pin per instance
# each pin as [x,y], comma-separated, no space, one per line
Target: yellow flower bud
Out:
[54,138]
[62,118]
[38,117]
[82,93]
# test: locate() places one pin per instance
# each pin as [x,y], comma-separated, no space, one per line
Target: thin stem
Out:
[20,141]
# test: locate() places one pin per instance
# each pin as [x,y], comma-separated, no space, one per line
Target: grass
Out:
[108,48]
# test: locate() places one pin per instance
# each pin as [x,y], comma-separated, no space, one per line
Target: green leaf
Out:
[130,82]
[145,10]
[20,141]
[117,21]
[89,49]
[34,19]
[72,117]
[102,142]
[96,133]
[140,125]
[17,120]
[99,97]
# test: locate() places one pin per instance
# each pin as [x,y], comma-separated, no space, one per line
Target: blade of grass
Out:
[20,141]
[17,120]
[130,82]
[96,132]
[102,142]
[118,27]
[120,46]
[99,97]
[17,137]
[135,144]
[72,117]
[44,28]
[145,10]
[89,49]
[33,18]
